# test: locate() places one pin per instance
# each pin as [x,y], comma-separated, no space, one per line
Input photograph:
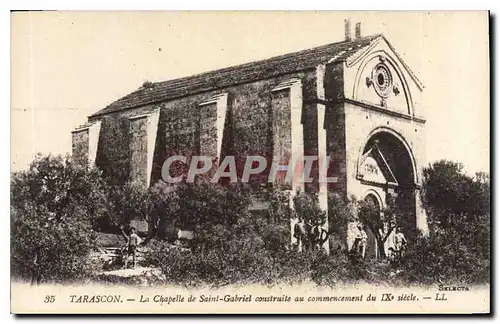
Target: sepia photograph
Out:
[205,162]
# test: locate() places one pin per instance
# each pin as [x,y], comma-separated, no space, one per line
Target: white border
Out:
[190,5]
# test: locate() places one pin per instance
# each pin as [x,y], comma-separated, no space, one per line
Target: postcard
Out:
[176,162]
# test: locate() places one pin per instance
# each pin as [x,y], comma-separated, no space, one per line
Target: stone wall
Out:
[335,124]
[250,129]
[113,154]
[186,127]
[138,150]
[80,146]
[282,131]
[208,130]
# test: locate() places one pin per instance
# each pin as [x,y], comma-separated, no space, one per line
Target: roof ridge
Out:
[235,74]
[249,63]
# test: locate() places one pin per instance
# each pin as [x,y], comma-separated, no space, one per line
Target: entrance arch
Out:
[371,251]
[396,166]
[404,146]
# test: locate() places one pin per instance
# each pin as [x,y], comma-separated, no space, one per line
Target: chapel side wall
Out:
[247,131]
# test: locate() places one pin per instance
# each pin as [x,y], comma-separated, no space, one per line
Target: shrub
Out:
[457,249]
[196,268]
[457,254]
[254,257]
[242,264]
[232,246]
[276,238]
[53,205]
[246,251]
[49,250]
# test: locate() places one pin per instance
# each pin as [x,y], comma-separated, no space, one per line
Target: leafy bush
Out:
[279,211]
[242,264]
[457,249]
[458,254]
[53,205]
[449,191]
[240,248]
[307,208]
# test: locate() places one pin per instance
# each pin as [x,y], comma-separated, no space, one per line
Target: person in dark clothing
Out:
[300,233]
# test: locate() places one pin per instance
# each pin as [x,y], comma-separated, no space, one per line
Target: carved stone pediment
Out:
[373,168]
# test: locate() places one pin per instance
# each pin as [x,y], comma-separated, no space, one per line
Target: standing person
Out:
[399,243]
[299,232]
[314,234]
[320,234]
[356,246]
[309,237]
[363,238]
[133,241]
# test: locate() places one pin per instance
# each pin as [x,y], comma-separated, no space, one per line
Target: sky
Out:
[67,65]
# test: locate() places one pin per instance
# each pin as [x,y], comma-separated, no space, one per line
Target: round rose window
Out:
[382,79]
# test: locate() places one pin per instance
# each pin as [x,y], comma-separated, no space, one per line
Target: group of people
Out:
[396,250]
[310,235]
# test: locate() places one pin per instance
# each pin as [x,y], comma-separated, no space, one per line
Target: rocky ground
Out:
[139,276]
[110,267]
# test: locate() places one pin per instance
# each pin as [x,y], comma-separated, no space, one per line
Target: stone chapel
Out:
[355,101]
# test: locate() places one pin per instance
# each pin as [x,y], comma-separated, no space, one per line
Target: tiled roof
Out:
[81,127]
[248,72]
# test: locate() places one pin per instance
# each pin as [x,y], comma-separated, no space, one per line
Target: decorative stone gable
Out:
[374,168]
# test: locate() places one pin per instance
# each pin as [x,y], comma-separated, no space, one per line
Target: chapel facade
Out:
[354,101]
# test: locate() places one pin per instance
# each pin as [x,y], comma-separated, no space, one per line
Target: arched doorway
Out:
[387,163]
